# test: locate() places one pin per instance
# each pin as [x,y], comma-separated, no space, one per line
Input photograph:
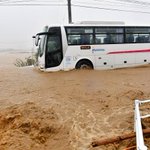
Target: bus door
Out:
[53,53]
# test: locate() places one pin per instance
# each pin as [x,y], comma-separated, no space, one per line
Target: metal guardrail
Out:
[138,125]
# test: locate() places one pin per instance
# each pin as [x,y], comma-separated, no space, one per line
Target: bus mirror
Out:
[33,37]
[37,38]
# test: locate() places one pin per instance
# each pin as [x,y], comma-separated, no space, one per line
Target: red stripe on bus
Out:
[130,51]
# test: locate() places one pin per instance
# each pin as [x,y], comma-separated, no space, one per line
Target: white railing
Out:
[138,125]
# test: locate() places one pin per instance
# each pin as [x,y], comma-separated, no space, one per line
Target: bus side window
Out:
[146,39]
[142,39]
[106,40]
[130,38]
[138,39]
[109,39]
[85,39]
[97,40]
[74,42]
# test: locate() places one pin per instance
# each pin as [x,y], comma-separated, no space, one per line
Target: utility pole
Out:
[69,12]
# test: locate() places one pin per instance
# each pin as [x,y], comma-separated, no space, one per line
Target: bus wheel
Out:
[84,64]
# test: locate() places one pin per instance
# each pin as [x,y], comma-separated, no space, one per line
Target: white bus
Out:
[95,46]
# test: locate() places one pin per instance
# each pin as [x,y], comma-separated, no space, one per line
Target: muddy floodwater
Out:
[67,110]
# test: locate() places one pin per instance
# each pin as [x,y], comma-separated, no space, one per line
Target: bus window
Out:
[79,35]
[143,38]
[130,38]
[137,38]
[109,30]
[79,30]
[139,30]
[109,35]
[137,35]
[74,39]
[86,39]
[119,38]
[109,38]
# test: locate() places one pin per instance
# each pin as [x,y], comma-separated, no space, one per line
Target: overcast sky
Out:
[19,23]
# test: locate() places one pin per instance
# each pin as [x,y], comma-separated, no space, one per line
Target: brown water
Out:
[67,110]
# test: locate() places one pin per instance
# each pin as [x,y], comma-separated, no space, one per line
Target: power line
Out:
[33,5]
[45,2]
[29,2]
[112,9]
[114,4]
[121,1]
[135,2]
[12,1]
[96,2]
[125,2]
[50,3]
[129,1]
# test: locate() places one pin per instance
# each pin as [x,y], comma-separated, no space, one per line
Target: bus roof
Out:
[101,23]
[98,23]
